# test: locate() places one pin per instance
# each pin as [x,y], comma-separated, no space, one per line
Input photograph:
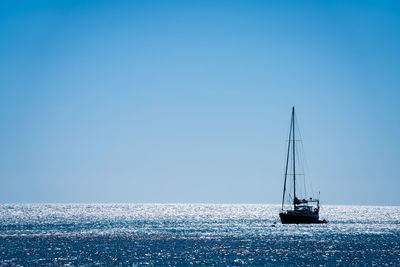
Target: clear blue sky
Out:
[189,101]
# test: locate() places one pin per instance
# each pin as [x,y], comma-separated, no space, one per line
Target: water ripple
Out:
[58,234]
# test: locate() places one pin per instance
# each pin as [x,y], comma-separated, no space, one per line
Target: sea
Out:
[195,234]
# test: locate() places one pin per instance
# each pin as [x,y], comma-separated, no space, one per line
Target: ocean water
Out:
[199,234]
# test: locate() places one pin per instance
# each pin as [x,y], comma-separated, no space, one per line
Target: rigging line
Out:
[305,167]
[301,166]
[306,163]
[290,198]
[288,133]
[301,158]
[287,162]
[288,130]
[289,189]
[308,173]
[304,185]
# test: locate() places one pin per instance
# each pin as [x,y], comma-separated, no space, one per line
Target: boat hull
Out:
[287,218]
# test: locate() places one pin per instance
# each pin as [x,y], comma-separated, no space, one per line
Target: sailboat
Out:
[304,210]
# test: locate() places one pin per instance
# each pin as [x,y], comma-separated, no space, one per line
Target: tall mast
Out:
[294,161]
[287,163]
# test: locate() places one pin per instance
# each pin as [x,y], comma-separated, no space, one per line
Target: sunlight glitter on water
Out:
[202,233]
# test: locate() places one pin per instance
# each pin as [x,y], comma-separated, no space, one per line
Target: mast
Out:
[294,161]
[287,163]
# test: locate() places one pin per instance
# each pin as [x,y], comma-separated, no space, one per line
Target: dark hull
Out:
[298,218]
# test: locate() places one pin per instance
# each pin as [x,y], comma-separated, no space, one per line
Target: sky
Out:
[190,101]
